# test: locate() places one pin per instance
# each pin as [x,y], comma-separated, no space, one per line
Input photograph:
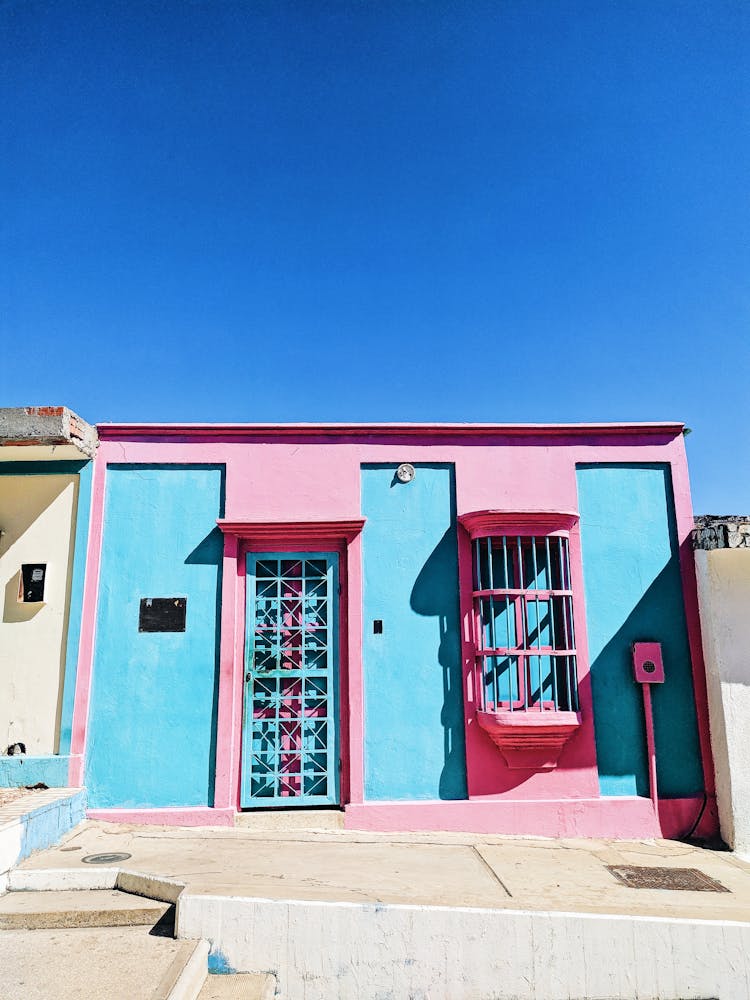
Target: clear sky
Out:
[507,211]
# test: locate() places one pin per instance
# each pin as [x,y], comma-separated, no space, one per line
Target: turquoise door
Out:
[290,747]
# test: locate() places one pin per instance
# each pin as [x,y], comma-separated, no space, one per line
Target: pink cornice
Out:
[344,430]
[290,531]
[496,522]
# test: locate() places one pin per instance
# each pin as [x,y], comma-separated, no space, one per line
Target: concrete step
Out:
[290,820]
[99,963]
[239,986]
[79,908]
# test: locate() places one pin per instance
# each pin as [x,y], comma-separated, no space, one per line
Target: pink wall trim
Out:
[678,817]
[201,816]
[618,818]
[230,653]
[135,431]
[685,523]
[76,767]
[509,468]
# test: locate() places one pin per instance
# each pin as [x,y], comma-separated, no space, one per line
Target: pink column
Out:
[685,523]
[356,761]
[228,733]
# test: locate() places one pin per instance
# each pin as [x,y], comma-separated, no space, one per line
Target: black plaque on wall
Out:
[162,614]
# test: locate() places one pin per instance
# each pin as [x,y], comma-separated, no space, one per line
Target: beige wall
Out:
[724,596]
[37,518]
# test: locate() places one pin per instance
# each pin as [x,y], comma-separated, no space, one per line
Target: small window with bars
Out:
[523,620]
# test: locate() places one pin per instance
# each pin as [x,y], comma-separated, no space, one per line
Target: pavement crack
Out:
[491,870]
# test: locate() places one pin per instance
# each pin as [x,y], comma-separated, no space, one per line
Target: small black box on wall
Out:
[162,614]
[33,576]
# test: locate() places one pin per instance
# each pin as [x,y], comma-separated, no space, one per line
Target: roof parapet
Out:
[47,427]
[717,531]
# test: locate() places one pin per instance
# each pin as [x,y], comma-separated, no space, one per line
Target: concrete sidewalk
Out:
[446,870]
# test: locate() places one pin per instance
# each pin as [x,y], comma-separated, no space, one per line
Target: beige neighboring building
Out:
[722,558]
[45,496]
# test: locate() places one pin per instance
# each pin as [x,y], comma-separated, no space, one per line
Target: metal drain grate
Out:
[104,859]
[689,879]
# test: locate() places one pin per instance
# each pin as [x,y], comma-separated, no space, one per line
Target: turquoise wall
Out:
[414,726]
[152,718]
[633,592]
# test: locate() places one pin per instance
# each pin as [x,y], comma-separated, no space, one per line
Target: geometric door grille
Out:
[290,738]
[642,877]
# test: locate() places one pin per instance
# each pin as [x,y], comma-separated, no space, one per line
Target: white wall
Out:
[724,597]
[37,518]
[375,951]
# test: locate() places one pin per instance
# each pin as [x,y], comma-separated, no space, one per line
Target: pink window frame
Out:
[520,598]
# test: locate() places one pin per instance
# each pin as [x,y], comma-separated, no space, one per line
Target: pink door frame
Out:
[241,537]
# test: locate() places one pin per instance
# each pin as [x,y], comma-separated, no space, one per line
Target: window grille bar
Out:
[553,658]
[567,658]
[570,588]
[521,633]
[512,592]
[520,563]
[493,660]
[512,651]
[535,570]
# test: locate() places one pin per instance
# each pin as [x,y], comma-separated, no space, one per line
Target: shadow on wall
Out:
[209,552]
[19,514]
[435,594]
[618,700]
[15,612]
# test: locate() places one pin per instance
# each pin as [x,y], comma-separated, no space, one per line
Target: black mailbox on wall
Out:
[33,577]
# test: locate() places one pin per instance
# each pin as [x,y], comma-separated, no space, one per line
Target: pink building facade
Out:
[425,627]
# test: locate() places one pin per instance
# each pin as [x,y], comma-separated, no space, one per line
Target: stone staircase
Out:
[85,944]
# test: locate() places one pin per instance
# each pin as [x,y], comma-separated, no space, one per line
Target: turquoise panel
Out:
[52,769]
[414,727]
[46,825]
[633,593]
[152,718]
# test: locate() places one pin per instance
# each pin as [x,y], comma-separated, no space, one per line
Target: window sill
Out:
[530,740]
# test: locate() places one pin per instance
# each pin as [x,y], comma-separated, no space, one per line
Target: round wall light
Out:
[405,472]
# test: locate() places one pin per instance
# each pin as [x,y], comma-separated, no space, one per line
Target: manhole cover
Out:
[641,877]
[104,859]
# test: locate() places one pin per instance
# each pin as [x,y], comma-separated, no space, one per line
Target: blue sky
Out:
[382,211]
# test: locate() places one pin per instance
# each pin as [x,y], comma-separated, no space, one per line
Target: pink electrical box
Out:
[647,663]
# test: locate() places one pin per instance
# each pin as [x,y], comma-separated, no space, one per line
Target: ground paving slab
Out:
[450,870]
